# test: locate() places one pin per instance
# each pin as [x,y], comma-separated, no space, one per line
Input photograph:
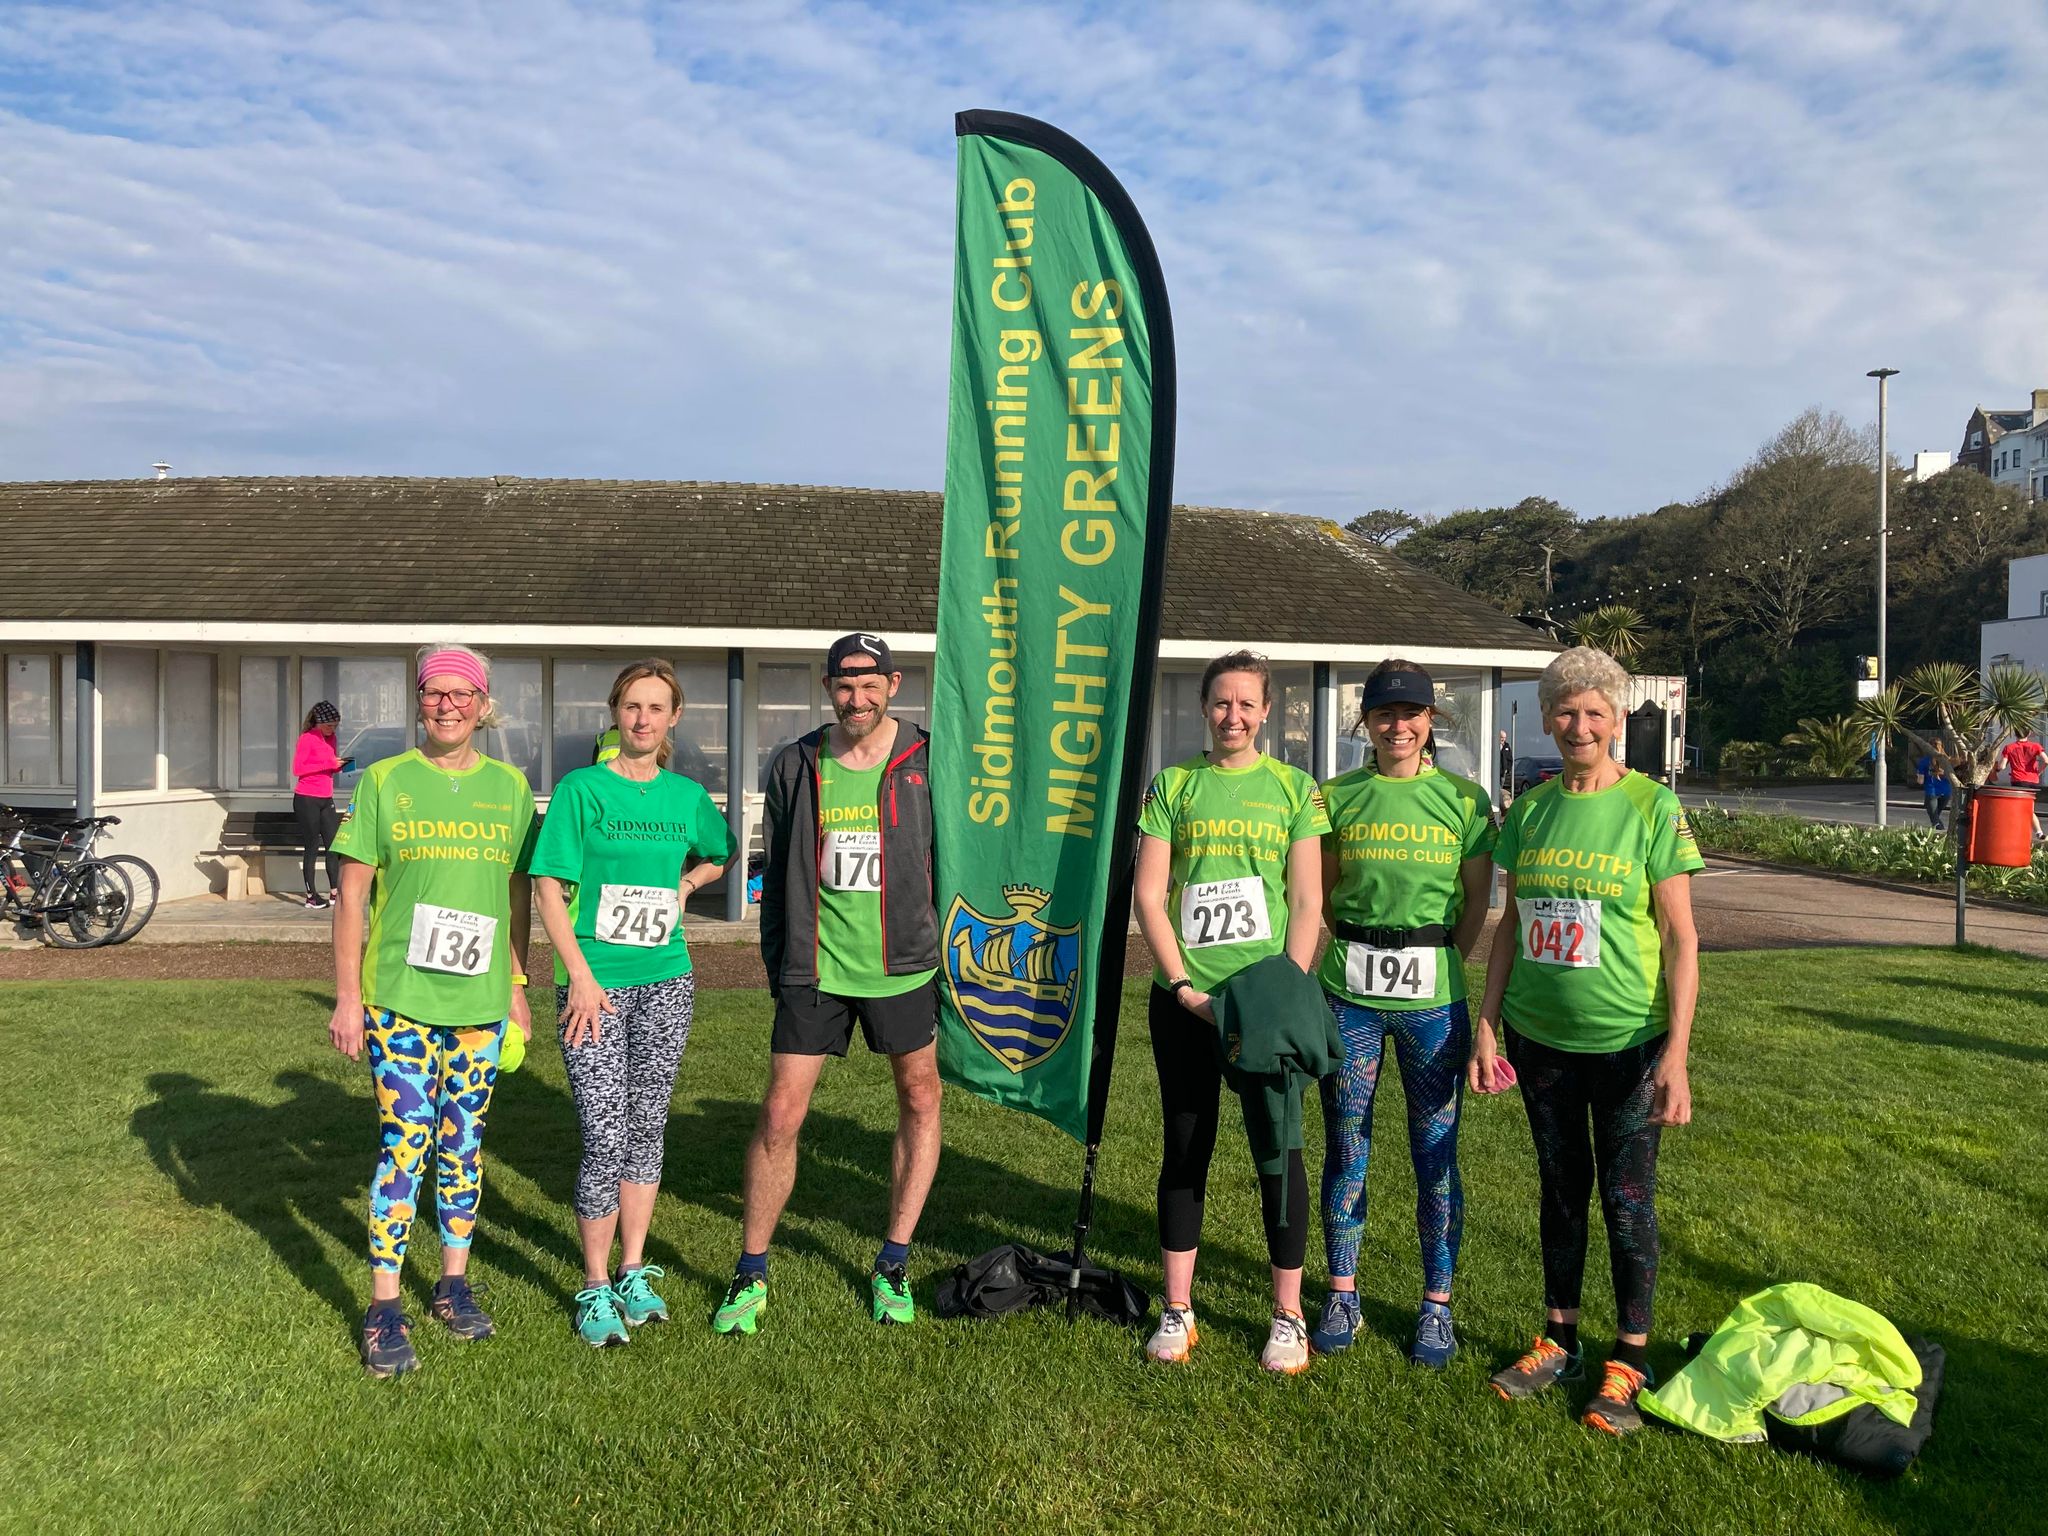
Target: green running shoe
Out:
[745,1300]
[598,1322]
[890,1290]
[636,1297]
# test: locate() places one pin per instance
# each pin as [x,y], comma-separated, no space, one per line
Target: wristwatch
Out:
[1179,985]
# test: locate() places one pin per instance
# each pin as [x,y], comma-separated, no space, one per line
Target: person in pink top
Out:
[314,765]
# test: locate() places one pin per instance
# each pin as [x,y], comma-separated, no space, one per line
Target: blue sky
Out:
[1430,254]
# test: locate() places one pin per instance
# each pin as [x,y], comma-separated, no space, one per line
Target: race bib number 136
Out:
[1559,930]
[448,939]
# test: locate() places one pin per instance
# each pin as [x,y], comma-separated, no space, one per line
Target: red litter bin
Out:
[2002,827]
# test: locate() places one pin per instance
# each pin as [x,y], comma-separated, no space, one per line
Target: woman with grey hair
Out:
[1590,994]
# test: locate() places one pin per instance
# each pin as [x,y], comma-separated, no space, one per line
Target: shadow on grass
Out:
[292,1172]
[2003,996]
[1906,1032]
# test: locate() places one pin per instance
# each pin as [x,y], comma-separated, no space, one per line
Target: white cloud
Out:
[1430,256]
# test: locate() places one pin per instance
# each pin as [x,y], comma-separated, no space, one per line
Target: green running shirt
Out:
[1589,972]
[622,847]
[1401,845]
[1230,830]
[851,960]
[444,846]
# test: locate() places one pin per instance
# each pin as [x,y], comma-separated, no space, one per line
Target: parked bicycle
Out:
[53,881]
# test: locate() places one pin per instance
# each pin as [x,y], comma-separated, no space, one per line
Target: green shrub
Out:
[1895,853]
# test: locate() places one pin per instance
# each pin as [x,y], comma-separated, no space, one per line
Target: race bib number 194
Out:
[1408,974]
[448,939]
[1560,930]
[1224,912]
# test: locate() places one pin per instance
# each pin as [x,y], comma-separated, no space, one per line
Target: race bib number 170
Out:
[1560,930]
[852,861]
[449,939]
[1224,912]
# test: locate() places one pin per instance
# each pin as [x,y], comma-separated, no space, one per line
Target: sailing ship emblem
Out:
[1013,979]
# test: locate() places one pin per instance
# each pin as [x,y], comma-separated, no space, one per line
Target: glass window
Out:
[191,720]
[128,719]
[913,699]
[791,702]
[375,697]
[67,718]
[1182,731]
[32,719]
[1290,726]
[701,737]
[515,739]
[268,730]
[581,715]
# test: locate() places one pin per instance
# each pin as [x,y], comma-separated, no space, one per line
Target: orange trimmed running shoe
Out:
[1543,1367]
[1175,1336]
[1613,1410]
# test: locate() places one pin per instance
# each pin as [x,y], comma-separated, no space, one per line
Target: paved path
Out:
[1855,804]
[1738,907]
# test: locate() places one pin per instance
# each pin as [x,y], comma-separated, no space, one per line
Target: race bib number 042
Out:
[1560,930]
[448,939]
[641,915]
[1224,912]
[853,861]
[1406,974]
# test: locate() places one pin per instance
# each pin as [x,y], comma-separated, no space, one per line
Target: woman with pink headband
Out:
[430,930]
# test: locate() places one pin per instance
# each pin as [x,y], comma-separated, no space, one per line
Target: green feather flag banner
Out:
[1059,471]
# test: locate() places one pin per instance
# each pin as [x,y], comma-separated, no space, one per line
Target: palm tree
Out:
[1978,715]
[1835,749]
[1615,628]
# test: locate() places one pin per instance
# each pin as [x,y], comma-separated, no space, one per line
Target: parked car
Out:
[1531,771]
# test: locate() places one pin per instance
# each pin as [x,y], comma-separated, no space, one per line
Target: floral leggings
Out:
[433,1090]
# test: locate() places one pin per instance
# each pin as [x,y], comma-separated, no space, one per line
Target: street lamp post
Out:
[1883,377]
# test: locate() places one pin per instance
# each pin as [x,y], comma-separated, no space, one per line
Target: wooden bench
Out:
[246,840]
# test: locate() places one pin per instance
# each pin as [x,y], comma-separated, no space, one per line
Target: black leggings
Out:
[1190,1093]
[318,822]
[1562,1090]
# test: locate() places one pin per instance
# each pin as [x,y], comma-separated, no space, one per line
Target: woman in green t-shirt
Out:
[1228,873]
[1592,980]
[430,929]
[1405,872]
[612,873]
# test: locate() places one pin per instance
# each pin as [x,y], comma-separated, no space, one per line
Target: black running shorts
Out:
[813,1023]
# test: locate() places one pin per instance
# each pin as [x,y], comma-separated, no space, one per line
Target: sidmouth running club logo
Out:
[1013,979]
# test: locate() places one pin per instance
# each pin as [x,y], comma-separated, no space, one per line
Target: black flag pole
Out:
[1115,940]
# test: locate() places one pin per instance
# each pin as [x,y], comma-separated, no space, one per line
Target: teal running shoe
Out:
[636,1297]
[889,1290]
[598,1322]
[745,1300]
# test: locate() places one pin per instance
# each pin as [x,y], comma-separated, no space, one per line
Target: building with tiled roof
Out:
[209,614]
[1980,450]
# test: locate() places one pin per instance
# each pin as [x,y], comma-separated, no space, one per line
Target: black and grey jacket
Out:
[793,841]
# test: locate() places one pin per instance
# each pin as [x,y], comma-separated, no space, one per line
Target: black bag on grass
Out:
[1014,1278]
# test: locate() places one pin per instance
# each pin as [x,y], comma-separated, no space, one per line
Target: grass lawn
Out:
[183,1275]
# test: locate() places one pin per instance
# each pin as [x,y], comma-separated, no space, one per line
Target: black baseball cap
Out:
[858,647]
[1398,685]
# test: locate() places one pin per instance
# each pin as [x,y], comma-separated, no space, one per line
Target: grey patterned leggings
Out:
[622,1082]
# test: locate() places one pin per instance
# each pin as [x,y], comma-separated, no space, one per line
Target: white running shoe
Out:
[1286,1348]
[1174,1337]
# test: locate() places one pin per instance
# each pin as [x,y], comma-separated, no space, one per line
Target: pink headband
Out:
[455,664]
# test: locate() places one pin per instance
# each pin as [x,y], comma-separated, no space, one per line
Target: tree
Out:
[1977,715]
[1615,628]
[1953,535]
[1384,526]
[1794,529]
[1835,749]
[1503,554]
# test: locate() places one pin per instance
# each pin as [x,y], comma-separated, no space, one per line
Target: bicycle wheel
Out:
[142,885]
[88,906]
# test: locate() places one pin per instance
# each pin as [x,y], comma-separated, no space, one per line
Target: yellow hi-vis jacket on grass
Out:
[1804,1354]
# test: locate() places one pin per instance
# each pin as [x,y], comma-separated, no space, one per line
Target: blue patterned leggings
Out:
[1432,1044]
[433,1091]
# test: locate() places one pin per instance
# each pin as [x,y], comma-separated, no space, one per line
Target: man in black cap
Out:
[848,933]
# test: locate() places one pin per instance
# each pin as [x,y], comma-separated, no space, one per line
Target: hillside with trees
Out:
[1762,590]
